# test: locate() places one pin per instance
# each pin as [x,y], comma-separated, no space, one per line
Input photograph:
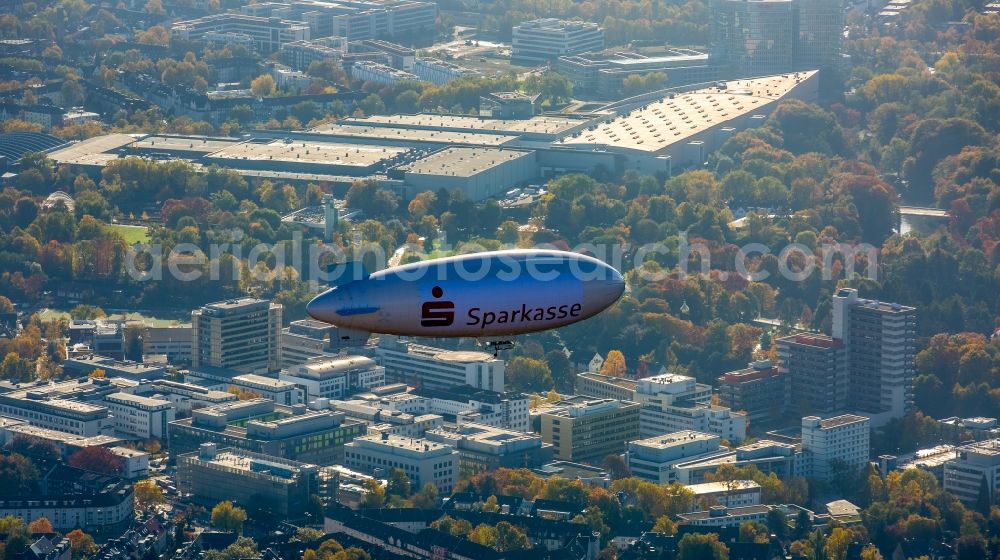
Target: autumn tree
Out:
[16,368]
[147,494]
[754,531]
[83,544]
[374,494]
[664,525]
[528,374]
[18,537]
[374,201]
[228,517]
[244,547]
[490,505]
[837,543]
[18,475]
[484,534]
[426,497]
[871,552]
[42,453]
[156,35]
[398,483]
[452,526]
[96,459]
[263,86]
[503,537]
[651,500]
[616,466]
[40,525]
[510,537]
[614,364]
[702,546]
[152,445]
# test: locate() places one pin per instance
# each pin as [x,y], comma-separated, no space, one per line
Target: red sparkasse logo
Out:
[437,313]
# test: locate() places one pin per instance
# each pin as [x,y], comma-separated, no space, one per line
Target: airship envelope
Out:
[482,295]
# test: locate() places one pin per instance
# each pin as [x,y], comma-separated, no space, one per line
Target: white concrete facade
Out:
[423,461]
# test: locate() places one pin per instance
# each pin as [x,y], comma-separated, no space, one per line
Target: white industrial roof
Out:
[673,119]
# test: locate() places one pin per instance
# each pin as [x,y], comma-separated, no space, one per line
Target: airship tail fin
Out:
[345,273]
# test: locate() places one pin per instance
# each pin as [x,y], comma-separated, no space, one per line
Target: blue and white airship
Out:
[491,296]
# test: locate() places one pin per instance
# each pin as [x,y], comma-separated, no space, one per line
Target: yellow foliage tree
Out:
[491,504]
[40,525]
[263,85]
[147,494]
[243,394]
[837,543]
[227,517]
[871,552]
[535,400]
[614,364]
[664,525]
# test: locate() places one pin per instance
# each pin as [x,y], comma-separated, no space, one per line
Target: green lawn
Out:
[132,234]
[47,315]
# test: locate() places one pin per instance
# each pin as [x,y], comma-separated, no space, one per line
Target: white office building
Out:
[439,71]
[266,33]
[141,417]
[354,19]
[300,54]
[334,377]
[462,405]
[277,390]
[381,420]
[722,516]
[654,459]
[486,448]
[549,38]
[436,368]
[841,439]
[976,462]
[172,342]
[783,459]
[380,73]
[184,396]
[422,460]
[672,403]
[64,415]
[135,463]
[731,494]
[304,340]
[285,77]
